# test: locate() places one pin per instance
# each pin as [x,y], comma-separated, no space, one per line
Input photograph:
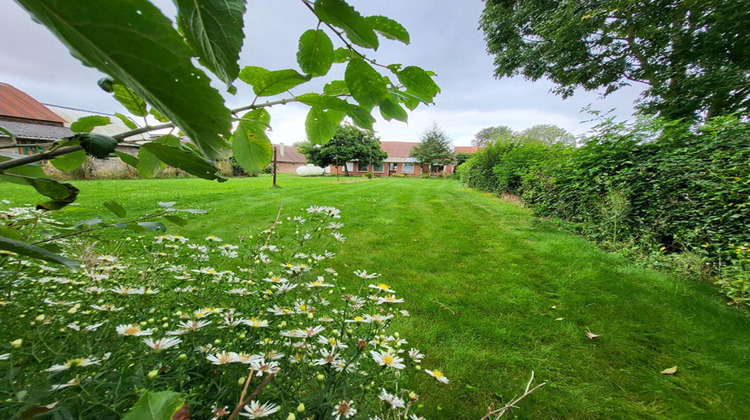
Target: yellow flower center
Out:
[387,359]
[437,373]
[383,286]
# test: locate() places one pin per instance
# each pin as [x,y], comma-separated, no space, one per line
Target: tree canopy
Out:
[489,135]
[434,148]
[549,134]
[694,57]
[349,143]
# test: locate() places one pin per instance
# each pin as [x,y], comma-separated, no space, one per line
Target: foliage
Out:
[548,134]
[654,183]
[489,135]
[203,318]
[692,56]
[348,144]
[434,148]
[151,71]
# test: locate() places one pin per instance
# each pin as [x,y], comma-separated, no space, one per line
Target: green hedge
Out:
[655,184]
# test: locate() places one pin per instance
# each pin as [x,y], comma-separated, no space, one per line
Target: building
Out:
[288,159]
[26,125]
[398,161]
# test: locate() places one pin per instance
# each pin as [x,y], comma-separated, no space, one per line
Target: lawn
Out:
[494,294]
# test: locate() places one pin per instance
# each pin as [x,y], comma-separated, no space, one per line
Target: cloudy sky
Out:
[444,38]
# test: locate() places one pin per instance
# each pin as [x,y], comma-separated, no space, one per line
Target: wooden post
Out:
[274,166]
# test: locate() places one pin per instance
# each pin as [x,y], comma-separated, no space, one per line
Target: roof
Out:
[35,131]
[397,151]
[17,104]
[70,115]
[289,154]
[466,149]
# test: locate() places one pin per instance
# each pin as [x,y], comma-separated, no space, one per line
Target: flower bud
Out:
[321,377]
[291,416]
[241,381]
[301,408]
[152,374]
[16,343]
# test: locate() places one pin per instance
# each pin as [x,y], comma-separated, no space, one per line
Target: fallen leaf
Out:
[670,371]
[553,307]
[559,319]
[591,335]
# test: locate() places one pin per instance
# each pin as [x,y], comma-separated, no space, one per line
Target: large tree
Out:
[548,134]
[348,144]
[434,148]
[490,135]
[693,56]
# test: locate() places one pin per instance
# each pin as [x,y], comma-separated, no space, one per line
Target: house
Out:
[26,123]
[288,159]
[465,149]
[398,161]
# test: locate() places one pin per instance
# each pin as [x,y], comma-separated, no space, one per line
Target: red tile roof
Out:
[397,149]
[289,154]
[16,104]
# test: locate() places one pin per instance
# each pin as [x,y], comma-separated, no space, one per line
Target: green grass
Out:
[501,271]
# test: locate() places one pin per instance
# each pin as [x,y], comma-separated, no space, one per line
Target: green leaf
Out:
[69,161]
[11,233]
[183,159]
[33,251]
[155,226]
[155,406]
[324,102]
[97,145]
[132,41]
[214,29]
[321,125]
[390,109]
[61,193]
[251,145]
[269,83]
[362,117]
[115,208]
[341,55]
[166,204]
[89,122]
[315,53]
[419,83]
[336,88]
[389,28]
[179,221]
[340,14]
[127,121]
[128,159]
[148,164]
[365,83]
[159,117]
[129,99]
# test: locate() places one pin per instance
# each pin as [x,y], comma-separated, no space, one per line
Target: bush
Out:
[367,175]
[652,184]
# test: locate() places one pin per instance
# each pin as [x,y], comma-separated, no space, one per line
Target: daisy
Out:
[223,358]
[363,274]
[284,287]
[125,290]
[92,327]
[334,226]
[388,359]
[162,343]
[213,238]
[379,317]
[437,375]
[339,237]
[319,283]
[277,310]
[261,366]
[132,329]
[391,399]
[218,413]
[415,355]
[359,319]
[243,292]
[71,363]
[328,358]
[255,410]
[248,358]
[5,356]
[275,279]
[389,299]
[344,408]
[255,322]
[382,287]
[331,342]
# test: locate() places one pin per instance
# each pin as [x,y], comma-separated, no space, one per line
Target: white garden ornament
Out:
[310,170]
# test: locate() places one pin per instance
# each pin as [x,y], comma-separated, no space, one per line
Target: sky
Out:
[444,38]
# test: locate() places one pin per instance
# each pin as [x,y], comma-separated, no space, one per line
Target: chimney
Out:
[281,149]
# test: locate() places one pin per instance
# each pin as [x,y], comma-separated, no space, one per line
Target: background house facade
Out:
[397,162]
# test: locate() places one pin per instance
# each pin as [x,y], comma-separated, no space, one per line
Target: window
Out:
[350,166]
[407,168]
[363,166]
[377,168]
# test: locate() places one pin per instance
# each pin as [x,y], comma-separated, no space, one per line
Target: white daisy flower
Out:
[72,382]
[107,307]
[389,299]
[391,399]
[213,238]
[437,375]
[132,329]
[255,410]
[222,358]
[388,359]
[363,274]
[345,409]
[415,355]
[382,287]
[255,322]
[162,343]
[71,363]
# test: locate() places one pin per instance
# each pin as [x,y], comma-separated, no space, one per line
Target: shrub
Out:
[367,175]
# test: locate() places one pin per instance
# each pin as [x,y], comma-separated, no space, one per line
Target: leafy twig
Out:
[497,413]
[252,396]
